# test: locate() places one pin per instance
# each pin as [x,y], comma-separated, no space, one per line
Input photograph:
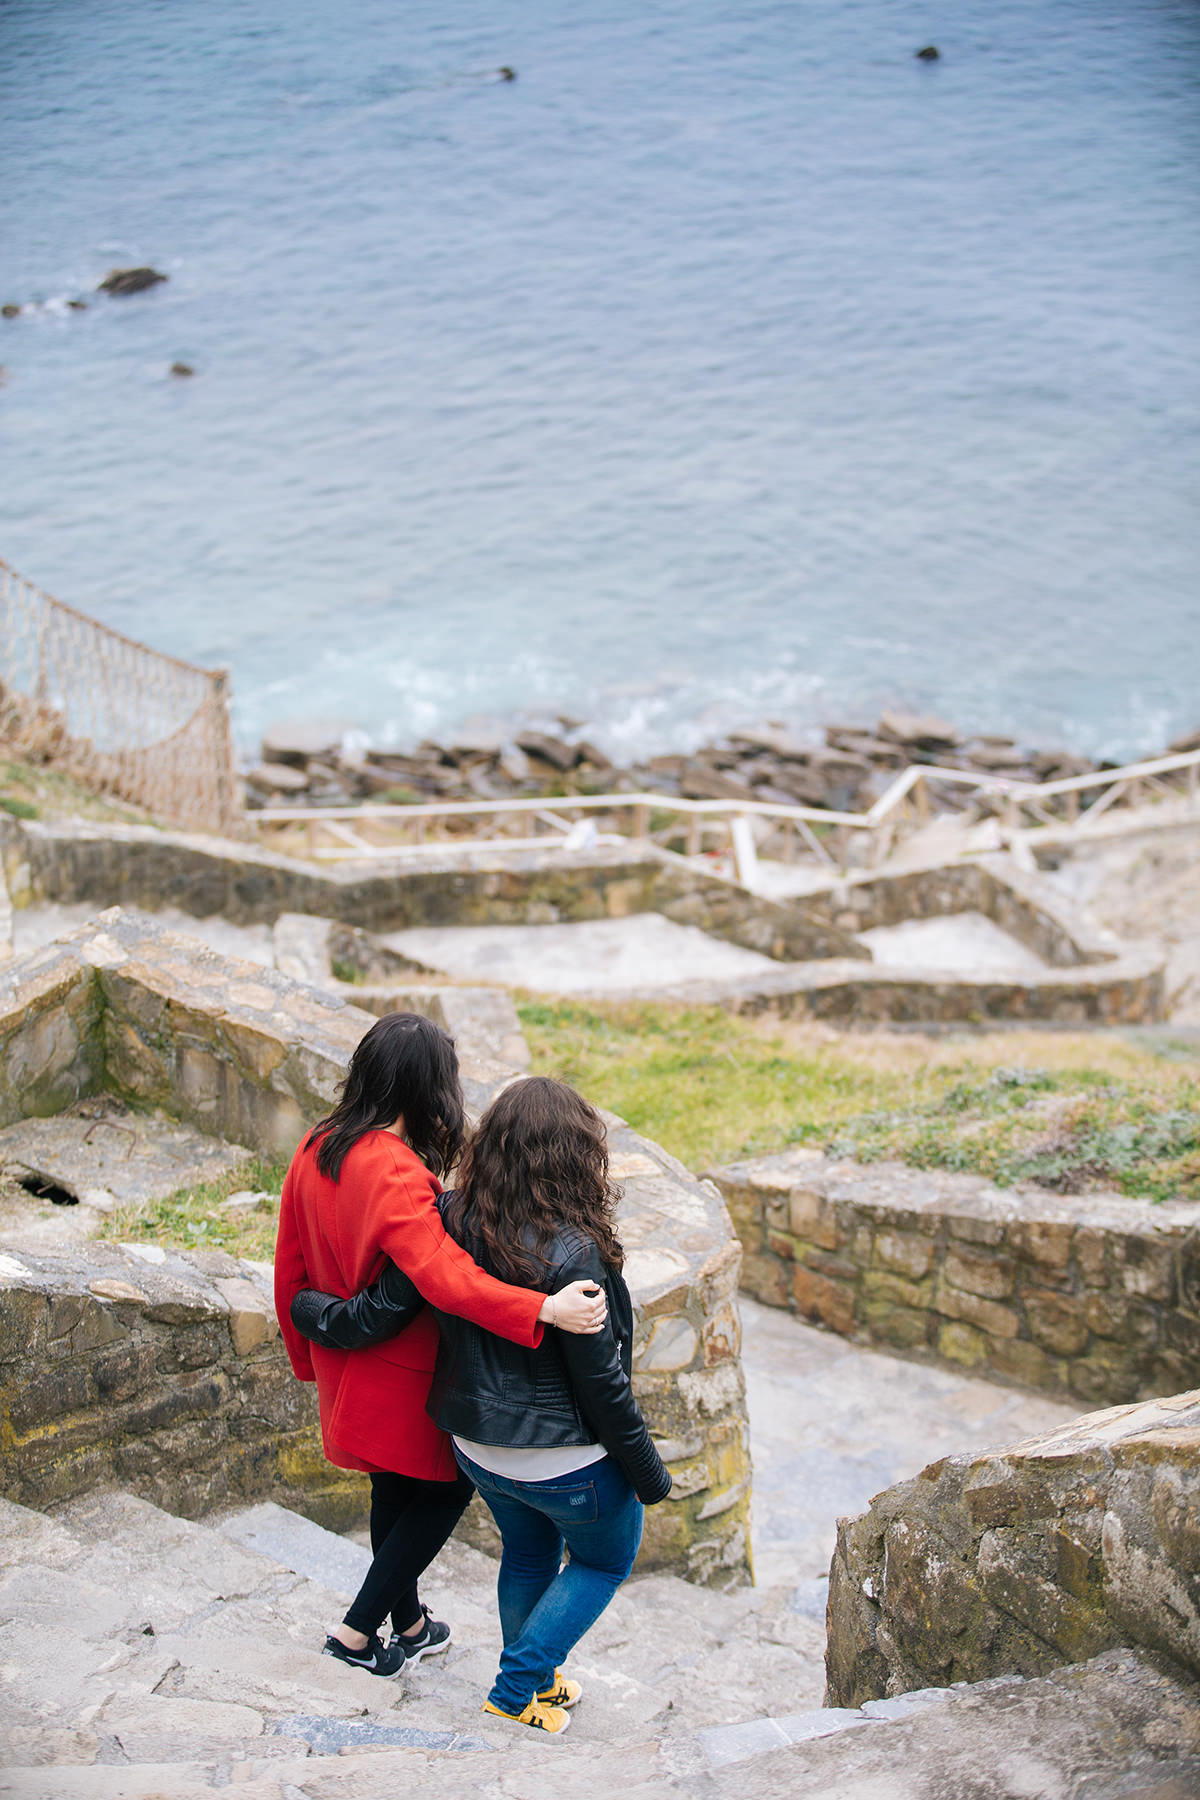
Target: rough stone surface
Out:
[191,1665]
[192,1400]
[1127,991]
[136,866]
[1095,1295]
[100,1144]
[192,1662]
[1026,1558]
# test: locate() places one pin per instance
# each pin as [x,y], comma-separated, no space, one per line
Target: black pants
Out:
[410,1521]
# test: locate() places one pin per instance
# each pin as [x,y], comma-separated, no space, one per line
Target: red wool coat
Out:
[335,1235]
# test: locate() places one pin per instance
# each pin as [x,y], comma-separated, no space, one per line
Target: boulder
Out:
[1061,765]
[552,750]
[999,759]
[130,281]
[298,741]
[930,53]
[1021,1560]
[699,783]
[864,743]
[182,369]
[922,731]
[277,778]
[591,753]
[10,310]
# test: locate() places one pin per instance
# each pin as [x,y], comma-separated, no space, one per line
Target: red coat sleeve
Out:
[291,1274]
[408,1228]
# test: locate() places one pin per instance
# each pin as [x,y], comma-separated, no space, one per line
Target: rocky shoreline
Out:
[307,764]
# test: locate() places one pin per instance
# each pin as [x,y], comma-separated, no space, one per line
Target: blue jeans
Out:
[545,1608]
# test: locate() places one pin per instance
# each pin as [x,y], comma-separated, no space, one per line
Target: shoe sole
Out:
[540,1729]
[379,1674]
[426,1650]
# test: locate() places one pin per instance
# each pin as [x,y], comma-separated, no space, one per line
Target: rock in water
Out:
[10,310]
[182,369]
[129,281]
[930,53]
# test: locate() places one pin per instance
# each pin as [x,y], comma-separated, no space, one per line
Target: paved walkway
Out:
[832,1424]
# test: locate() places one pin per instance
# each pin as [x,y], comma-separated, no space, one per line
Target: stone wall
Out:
[250,1056]
[1019,902]
[129,865]
[1096,1296]
[1024,1559]
[159,1373]
[1130,990]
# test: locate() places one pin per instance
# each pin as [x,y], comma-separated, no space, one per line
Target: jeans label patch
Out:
[578,1500]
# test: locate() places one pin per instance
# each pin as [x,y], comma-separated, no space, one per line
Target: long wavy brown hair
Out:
[537,1163]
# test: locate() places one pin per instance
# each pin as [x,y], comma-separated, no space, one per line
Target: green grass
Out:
[34,791]
[195,1219]
[1071,1111]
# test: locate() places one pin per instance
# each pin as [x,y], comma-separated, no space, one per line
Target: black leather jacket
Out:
[573,1389]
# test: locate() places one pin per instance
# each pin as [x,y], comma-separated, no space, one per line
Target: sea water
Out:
[727,363]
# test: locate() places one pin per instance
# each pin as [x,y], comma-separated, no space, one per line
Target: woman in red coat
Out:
[361,1189]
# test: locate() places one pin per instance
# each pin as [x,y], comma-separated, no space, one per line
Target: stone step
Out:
[296,1543]
[228,1688]
[1115,1728]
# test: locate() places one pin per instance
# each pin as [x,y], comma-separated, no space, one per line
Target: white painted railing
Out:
[377,830]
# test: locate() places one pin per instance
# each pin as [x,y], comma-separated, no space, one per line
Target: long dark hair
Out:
[404,1065]
[537,1162]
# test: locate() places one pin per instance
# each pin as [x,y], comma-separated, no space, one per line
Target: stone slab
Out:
[297,1543]
[1022,1558]
[128,1156]
[1115,1728]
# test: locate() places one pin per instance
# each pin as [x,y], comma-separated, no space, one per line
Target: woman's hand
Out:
[581,1307]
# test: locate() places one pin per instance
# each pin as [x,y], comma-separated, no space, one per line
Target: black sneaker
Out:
[431,1640]
[376,1658]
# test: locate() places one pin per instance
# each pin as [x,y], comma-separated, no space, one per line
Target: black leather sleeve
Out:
[603,1390]
[377,1312]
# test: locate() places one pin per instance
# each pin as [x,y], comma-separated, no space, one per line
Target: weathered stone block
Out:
[984,1566]
[671,1345]
[811,1215]
[878,1286]
[992,1277]
[962,1344]
[251,1316]
[1016,1359]
[1145,1268]
[909,1253]
[1057,1322]
[824,1301]
[900,1326]
[1047,1243]
[999,1321]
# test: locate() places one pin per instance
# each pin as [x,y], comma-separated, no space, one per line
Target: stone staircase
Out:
[146,1657]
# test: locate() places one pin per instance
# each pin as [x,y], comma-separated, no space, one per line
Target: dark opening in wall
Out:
[43,1188]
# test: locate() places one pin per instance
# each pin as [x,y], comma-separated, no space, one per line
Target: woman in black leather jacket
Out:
[552,1437]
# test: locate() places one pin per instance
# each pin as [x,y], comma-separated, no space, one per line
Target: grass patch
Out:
[34,791]
[1069,1110]
[18,809]
[195,1218]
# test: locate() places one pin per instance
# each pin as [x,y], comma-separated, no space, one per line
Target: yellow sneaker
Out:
[561,1692]
[542,1718]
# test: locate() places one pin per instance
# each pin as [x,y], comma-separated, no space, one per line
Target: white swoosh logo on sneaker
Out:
[368,1665]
